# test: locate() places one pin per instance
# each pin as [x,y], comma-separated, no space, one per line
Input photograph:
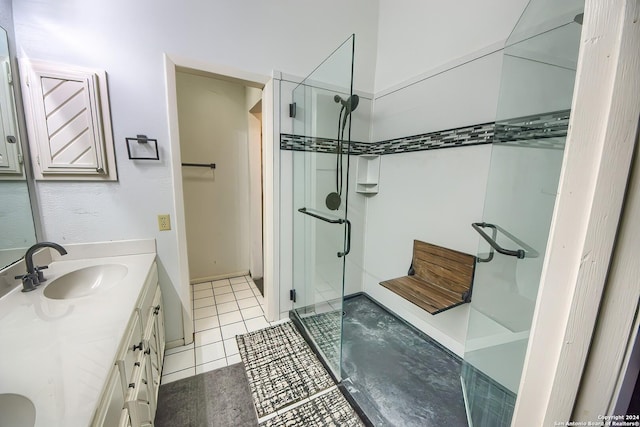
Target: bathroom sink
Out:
[16,411]
[85,281]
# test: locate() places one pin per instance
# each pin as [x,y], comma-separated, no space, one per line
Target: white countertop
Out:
[59,353]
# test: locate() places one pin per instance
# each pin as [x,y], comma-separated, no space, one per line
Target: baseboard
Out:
[218,277]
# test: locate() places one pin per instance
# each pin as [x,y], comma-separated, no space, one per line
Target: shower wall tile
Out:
[471,135]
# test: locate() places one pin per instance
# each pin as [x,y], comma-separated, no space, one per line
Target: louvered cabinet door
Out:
[70,126]
[69,122]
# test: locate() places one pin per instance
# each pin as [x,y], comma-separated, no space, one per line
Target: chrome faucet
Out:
[34,274]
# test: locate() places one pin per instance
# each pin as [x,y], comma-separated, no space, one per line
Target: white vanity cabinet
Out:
[130,395]
[110,410]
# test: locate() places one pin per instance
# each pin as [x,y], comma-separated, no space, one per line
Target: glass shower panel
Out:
[321,229]
[536,90]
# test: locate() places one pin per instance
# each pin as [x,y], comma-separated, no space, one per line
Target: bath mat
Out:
[216,398]
[281,368]
[328,409]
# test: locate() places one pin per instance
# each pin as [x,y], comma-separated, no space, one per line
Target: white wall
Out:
[432,196]
[416,35]
[127,39]
[461,96]
[213,121]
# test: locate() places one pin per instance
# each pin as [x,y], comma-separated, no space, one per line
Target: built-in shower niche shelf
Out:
[368,174]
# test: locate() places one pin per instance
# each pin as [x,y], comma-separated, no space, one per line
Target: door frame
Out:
[172,64]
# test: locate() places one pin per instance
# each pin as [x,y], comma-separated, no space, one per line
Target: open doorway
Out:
[220,145]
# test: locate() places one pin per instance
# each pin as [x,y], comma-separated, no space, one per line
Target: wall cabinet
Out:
[131,392]
[68,122]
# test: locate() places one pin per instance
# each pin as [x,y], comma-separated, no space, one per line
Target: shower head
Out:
[350,104]
[579,18]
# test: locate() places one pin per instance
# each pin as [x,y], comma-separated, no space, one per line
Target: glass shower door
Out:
[536,90]
[321,230]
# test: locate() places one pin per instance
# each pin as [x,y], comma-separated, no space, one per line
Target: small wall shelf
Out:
[368,174]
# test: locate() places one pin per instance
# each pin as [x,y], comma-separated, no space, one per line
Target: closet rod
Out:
[200,165]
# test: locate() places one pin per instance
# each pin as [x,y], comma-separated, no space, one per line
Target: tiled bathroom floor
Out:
[221,310]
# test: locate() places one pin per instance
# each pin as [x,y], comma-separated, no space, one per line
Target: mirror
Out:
[17,231]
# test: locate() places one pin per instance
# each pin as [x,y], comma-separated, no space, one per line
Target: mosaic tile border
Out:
[540,131]
[320,145]
[536,131]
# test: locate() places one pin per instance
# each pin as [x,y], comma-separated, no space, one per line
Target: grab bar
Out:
[518,253]
[200,165]
[333,221]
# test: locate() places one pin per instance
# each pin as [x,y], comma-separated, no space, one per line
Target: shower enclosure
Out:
[538,74]
[321,110]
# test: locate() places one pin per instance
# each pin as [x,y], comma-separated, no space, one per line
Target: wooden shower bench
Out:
[438,279]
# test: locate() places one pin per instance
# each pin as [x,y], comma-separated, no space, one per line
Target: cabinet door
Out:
[140,400]
[158,308]
[125,419]
[109,412]
[69,123]
[128,354]
[150,340]
[145,302]
[154,340]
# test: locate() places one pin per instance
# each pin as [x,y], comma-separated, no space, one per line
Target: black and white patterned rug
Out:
[282,370]
[326,409]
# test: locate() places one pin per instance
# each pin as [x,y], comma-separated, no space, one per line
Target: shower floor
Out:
[396,375]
